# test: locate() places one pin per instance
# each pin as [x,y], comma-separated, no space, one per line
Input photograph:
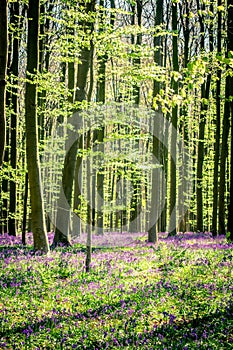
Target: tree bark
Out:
[25,200]
[230,101]
[223,159]
[153,228]
[205,90]
[173,182]
[183,171]
[13,152]
[34,174]
[3,68]
[217,132]
[135,205]
[89,212]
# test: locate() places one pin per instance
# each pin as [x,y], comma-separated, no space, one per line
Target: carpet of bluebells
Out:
[174,295]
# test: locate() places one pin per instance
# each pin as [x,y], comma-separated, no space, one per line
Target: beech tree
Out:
[34,174]
[3,68]
[218,128]
[205,91]
[174,120]
[16,23]
[63,224]
[225,135]
[229,82]
[153,230]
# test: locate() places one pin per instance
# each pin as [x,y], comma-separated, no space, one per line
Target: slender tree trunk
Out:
[78,187]
[173,180]
[137,60]
[102,60]
[38,219]
[222,181]
[230,101]
[5,182]
[3,68]
[44,56]
[205,91]
[13,153]
[101,86]
[135,206]
[100,183]
[217,132]
[153,229]
[223,158]
[25,200]
[89,213]
[5,186]
[183,172]
[200,157]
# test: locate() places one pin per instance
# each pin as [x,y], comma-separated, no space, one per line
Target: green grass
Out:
[173,296]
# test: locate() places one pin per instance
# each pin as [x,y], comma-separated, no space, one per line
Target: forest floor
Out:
[174,295]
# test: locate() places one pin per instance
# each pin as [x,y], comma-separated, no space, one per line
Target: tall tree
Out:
[63,223]
[153,230]
[101,87]
[15,22]
[218,128]
[174,119]
[3,68]
[225,141]
[229,82]
[34,174]
[183,171]
[205,90]
[135,204]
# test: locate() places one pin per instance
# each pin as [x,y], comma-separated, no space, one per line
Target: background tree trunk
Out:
[14,116]
[135,205]
[153,228]
[205,91]
[173,182]
[63,223]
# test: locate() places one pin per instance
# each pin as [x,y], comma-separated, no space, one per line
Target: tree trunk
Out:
[218,129]
[4,190]
[173,184]
[89,213]
[38,219]
[223,158]
[205,90]
[63,222]
[25,200]
[137,60]
[3,68]
[200,153]
[14,116]
[153,229]
[100,183]
[135,205]
[183,171]
[101,86]
[230,101]
[78,188]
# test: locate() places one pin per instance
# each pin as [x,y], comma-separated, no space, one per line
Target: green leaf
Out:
[221,8]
